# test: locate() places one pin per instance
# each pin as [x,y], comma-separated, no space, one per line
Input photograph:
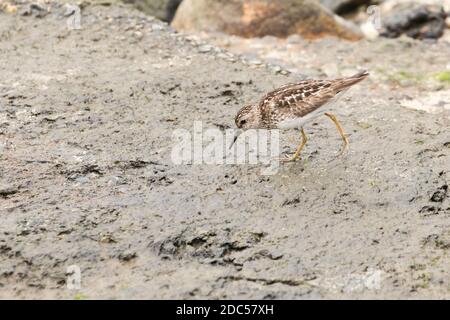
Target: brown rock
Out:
[258,18]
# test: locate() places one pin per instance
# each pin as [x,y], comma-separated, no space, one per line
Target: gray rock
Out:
[127,255]
[204,48]
[344,6]
[34,9]
[161,9]
[6,190]
[415,21]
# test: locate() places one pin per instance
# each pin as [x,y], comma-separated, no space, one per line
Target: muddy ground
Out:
[86,179]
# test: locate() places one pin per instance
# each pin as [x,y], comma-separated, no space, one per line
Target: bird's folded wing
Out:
[298,99]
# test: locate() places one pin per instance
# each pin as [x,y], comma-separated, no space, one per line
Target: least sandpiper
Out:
[295,104]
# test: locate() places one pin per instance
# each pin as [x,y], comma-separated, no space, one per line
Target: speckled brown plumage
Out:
[294,100]
[294,104]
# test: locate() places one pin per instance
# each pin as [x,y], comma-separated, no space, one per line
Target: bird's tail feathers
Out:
[361,74]
[349,81]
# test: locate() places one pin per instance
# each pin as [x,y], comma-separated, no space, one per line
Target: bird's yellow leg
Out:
[299,149]
[341,132]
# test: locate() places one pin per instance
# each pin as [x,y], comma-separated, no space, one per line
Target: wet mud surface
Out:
[86,177]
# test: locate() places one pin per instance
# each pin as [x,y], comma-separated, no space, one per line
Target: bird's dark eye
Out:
[242,122]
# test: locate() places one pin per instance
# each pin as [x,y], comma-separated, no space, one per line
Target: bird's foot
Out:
[288,158]
[343,150]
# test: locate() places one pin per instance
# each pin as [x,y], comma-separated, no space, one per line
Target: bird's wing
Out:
[298,99]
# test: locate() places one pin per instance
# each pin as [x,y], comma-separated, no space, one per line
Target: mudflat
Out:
[86,176]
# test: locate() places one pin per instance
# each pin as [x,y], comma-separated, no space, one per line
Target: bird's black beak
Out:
[236,136]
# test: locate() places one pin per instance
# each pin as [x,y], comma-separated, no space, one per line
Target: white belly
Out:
[296,123]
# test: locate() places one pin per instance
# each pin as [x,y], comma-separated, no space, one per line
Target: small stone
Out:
[256,62]
[157,27]
[138,35]
[204,48]
[276,69]
[439,195]
[107,238]
[8,190]
[190,39]
[52,118]
[36,10]
[222,56]
[127,256]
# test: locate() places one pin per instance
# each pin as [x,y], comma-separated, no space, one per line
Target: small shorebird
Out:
[294,104]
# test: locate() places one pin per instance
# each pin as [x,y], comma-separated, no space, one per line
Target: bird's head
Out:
[248,118]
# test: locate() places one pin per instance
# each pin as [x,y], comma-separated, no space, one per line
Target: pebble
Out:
[222,56]
[190,39]
[205,48]
[275,69]
[256,62]
[157,27]
[6,190]
[139,35]
[52,118]
[127,256]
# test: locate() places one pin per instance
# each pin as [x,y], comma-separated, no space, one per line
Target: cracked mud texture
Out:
[86,179]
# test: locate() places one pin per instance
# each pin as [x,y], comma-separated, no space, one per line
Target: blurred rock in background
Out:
[161,9]
[415,20]
[388,5]
[311,19]
[345,6]
[419,19]
[258,18]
